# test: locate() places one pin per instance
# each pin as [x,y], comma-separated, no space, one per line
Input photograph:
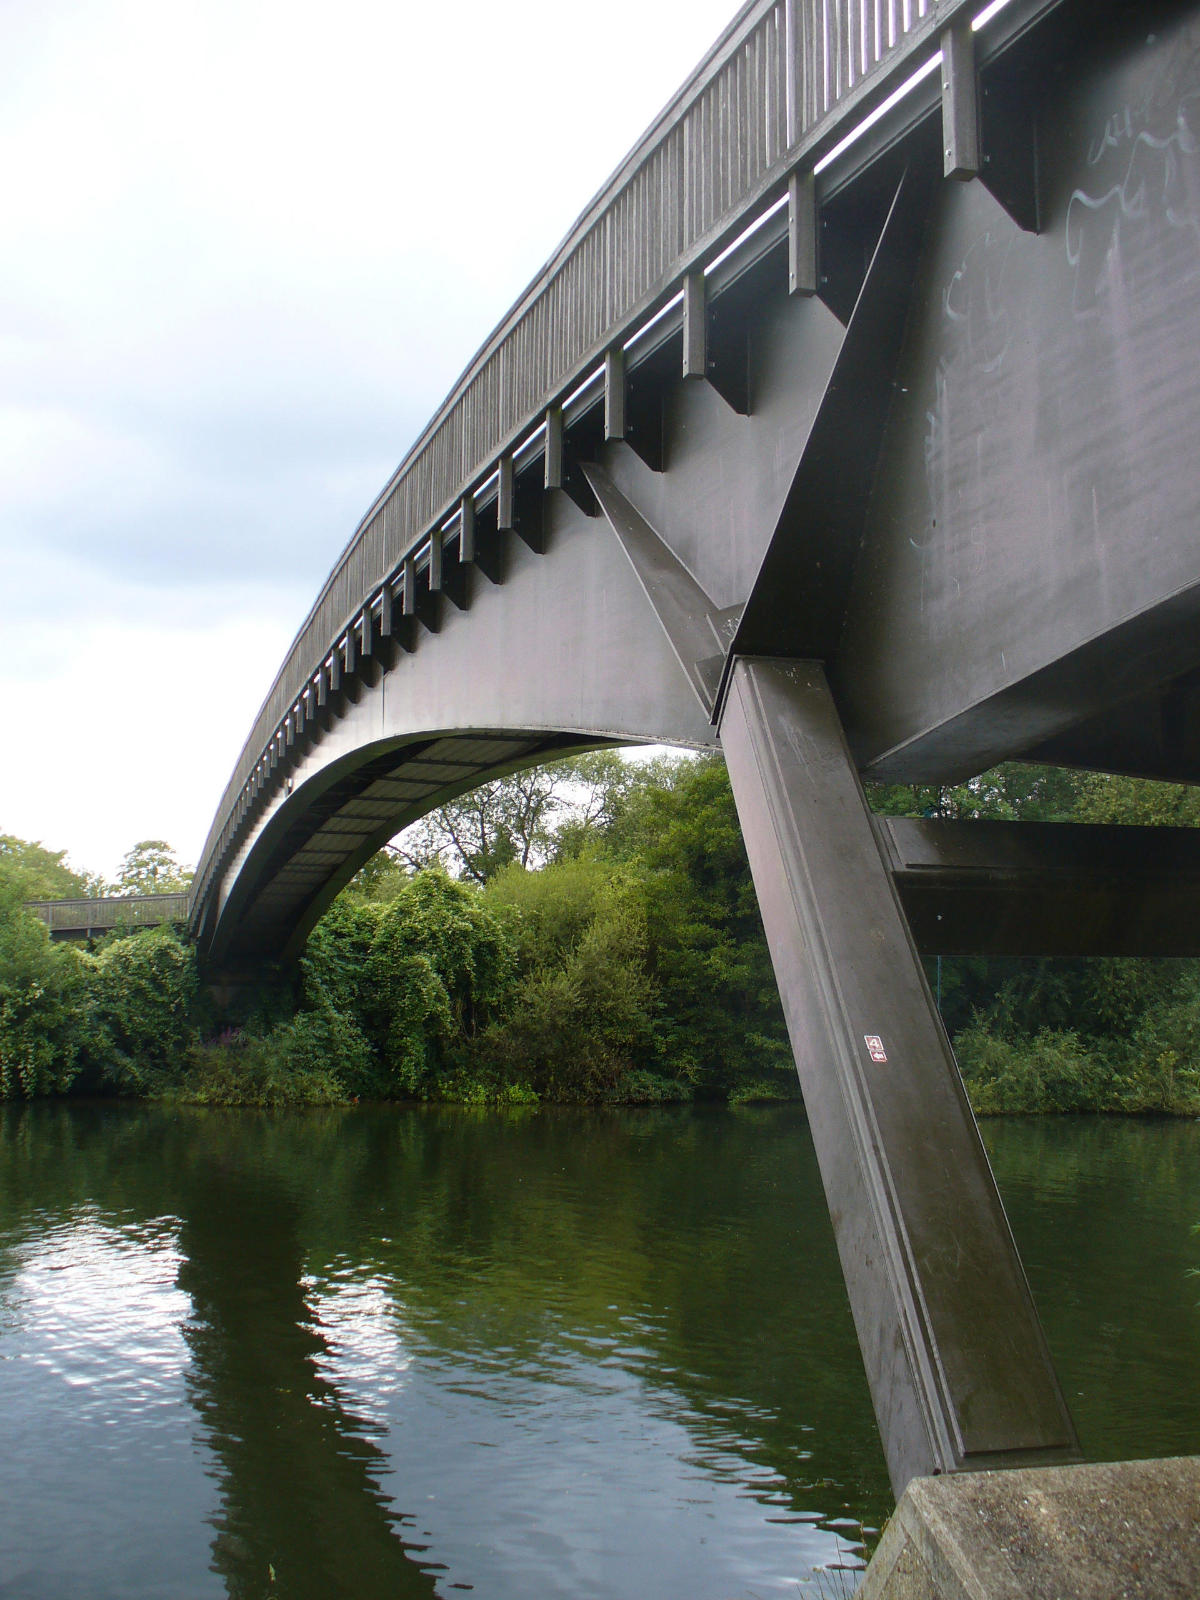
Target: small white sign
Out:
[875,1047]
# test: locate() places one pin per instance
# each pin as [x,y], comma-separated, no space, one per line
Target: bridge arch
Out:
[329,825]
[774,450]
[563,654]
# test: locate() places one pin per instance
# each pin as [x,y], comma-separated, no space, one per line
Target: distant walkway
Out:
[80,919]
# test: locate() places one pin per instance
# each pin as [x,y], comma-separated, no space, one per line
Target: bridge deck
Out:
[81,919]
[777,93]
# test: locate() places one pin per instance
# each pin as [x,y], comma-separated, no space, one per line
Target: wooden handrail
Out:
[111,911]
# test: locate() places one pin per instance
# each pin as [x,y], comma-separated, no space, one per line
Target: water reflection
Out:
[580,1354]
[90,1319]
[302,1512]
[1103,1210]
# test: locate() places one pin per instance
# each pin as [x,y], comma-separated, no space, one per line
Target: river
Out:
[587,1354]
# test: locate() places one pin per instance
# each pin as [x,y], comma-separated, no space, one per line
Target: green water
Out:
[586,1354]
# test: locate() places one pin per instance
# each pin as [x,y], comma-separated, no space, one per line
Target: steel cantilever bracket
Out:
[699,632]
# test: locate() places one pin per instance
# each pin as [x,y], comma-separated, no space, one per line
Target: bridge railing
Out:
[105,912]
[784,82]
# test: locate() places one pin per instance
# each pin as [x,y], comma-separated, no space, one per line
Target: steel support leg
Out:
[957,1363]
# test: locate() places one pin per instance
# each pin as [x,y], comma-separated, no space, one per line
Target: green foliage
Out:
[601,784]
[39,994]
[300,1063]
[630,966]
[1052,1071]
[579,1019]
[1042,1035]
[141,994]
[1058,1070]
[439,962]
[720,1022]
[333,967]
[473,1086]
[35,873]
[1016,791]
[760,1091]
[151,867]
[378,880]
[1137,801]
[507,820]
[524,819]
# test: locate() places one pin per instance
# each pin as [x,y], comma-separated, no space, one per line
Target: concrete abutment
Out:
[1126,1530]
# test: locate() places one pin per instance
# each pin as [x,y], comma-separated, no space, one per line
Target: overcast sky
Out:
[248,247]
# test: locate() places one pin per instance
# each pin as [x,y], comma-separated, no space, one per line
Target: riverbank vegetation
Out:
[585,932]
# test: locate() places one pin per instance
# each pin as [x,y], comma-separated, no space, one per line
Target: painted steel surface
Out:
[777,90]
[959,1369]
[957,475]
[903,486]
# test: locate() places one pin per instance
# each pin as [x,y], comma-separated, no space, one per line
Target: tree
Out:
[439,961]
[40,874]
[579,1022]
[151,867]
[1137,801]
[607,783]
[1016,791]
[141,996]
[39,1029]
[720,1022]
[380,878]
[518,818]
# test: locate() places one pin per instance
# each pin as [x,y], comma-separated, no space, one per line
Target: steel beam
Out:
[506,495]
[698,631]
[957,1363]
[1045,888]
[960,100]
[553,464]
[804,223]
[695,326]
[614,392]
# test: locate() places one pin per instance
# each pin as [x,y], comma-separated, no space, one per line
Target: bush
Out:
[1160,1070]
[439,963]
[580,1018]
[465,1088]
[1051,1071]
[39,1005]
[141,991]
[287,1068]
[333,968]
[718,1017]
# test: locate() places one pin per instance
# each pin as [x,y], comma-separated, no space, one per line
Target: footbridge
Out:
[852,427]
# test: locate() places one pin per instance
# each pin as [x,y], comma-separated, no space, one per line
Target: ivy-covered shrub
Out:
[141,996]
[579,1020]
[39,1005]
[439,963]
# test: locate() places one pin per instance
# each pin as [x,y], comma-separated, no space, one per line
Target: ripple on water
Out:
[555,1464]
[92,1369]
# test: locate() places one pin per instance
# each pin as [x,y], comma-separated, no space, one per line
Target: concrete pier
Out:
[1118,1531]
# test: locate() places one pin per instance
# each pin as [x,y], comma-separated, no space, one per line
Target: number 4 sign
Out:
[875,1047]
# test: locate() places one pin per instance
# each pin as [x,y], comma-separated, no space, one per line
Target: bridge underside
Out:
[904,505]
[959,475]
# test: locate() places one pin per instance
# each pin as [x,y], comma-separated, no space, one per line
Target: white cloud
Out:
[249,246]
[125,725]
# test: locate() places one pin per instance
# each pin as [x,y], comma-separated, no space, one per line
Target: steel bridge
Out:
[852,427]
